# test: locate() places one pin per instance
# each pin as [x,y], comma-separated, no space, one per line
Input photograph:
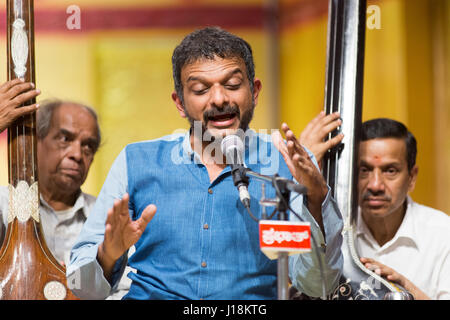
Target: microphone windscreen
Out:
[232,141]
[233,148]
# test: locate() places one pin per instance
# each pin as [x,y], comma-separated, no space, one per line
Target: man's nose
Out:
[376,182]
[219,97]
[75,152]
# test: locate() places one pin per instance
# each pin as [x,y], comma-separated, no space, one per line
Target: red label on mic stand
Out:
[284,236]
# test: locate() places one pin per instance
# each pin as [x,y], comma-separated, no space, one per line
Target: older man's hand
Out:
[13,94]
[315,132]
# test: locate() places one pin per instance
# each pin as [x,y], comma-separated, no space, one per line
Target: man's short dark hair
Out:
[209,43]
[45,113]
[388,128]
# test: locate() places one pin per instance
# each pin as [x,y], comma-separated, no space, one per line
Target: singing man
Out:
[193,237]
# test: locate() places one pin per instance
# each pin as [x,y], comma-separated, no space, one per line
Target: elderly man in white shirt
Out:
[403,241]
[68,136]
[407,243]
[417,250]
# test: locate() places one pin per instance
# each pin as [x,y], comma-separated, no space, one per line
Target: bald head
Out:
[47,109]
[68,138]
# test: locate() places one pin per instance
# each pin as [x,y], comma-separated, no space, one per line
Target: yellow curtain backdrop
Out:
[399,82]
[134,85]
[126,75]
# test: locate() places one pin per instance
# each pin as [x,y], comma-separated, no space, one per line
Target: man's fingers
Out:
[303,164]
[109,223]
[284,127]
[334,141]
[120,207]
[291,148]
[322,119]
[25,96]
[281,146]
[328,124]
[383,271]
[116,209]
[18,89]
[297,159]
[317,119]
[290,136]
[9,84]
[23,111]
[12,115]
[366,260]
[288,149]
[124,205]
[368,263]
[330,118]
[377,267]
[146,216]
[278,142]
[394,277]
[373,267]
[331,126]
[111,218]
[117,204]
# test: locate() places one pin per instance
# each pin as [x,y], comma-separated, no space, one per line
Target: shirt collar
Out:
[194,156]
[362,230]
[187,148]
[406,230]
[79,204]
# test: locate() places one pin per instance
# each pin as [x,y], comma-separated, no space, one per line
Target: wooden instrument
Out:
[28,269]
[343,93]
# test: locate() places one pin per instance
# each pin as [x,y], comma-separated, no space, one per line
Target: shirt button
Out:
[203,264]
[205,226]
[210,191]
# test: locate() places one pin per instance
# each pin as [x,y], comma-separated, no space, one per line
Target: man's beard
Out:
[244,121]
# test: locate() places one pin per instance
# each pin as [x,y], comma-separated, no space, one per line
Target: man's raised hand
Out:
[121,232]
[303,170]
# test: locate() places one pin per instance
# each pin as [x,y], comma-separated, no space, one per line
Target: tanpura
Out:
[343,93]
[28,269]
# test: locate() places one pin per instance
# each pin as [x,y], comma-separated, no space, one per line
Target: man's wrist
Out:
[105,261]
[415,291]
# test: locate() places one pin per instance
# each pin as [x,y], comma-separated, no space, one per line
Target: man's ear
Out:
[257,85]
[413,178]
[178,104]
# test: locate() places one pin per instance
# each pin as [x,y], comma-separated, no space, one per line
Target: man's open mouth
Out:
[222,120]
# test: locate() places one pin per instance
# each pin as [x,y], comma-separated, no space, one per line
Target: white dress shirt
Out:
[420,250]
[61,229]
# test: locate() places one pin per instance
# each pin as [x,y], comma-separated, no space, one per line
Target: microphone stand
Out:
[283,187]
[283,257]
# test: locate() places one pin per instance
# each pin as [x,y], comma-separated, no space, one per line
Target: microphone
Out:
[233,148]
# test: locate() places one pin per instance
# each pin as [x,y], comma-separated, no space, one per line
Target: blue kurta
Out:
[201,243]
